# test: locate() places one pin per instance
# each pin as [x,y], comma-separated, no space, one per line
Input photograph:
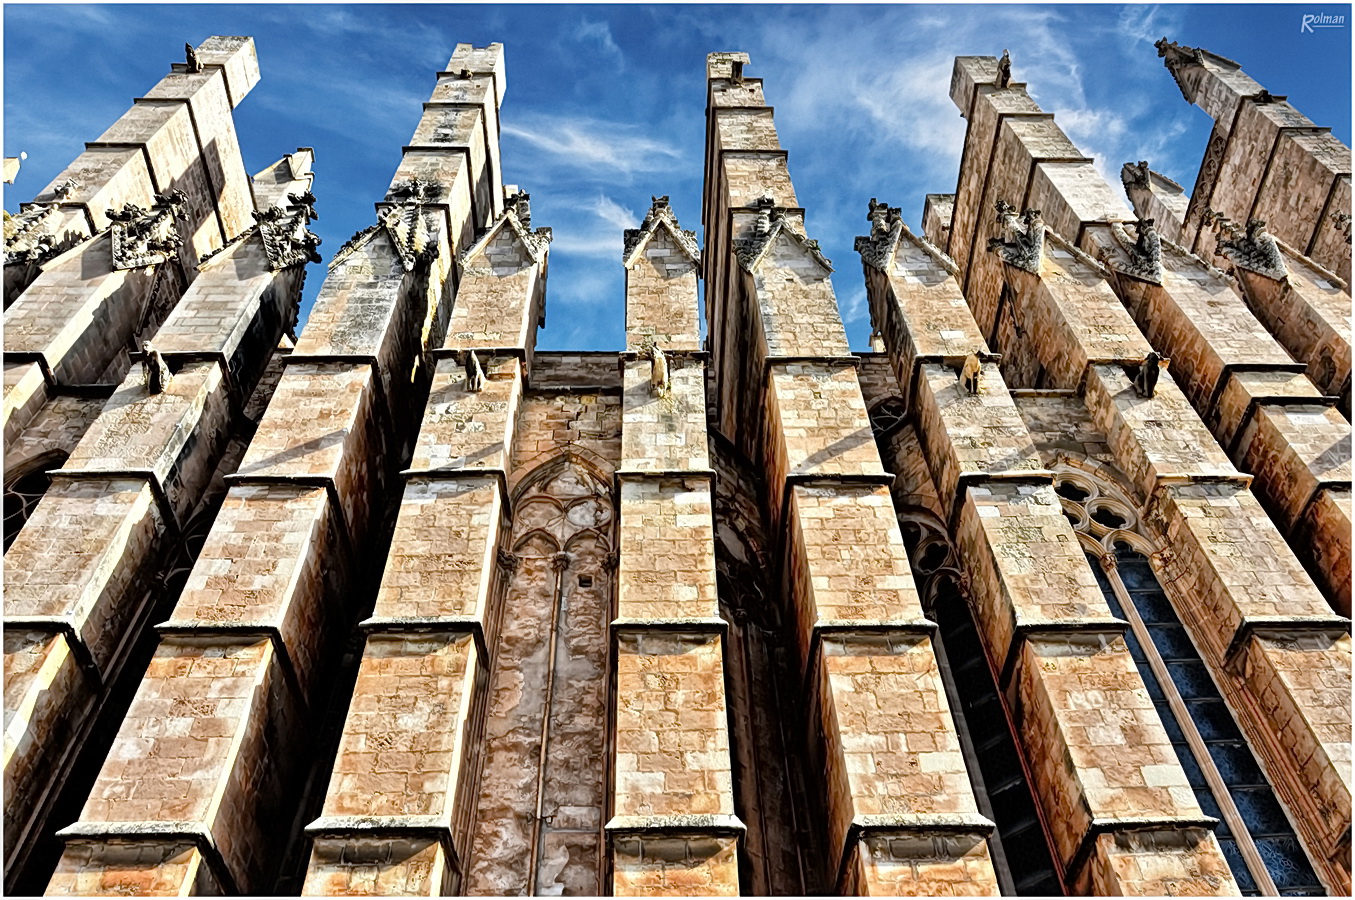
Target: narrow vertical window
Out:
[1253,832]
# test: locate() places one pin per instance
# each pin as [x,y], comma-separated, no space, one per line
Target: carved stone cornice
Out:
[144,237]
[1023,242]
[1253,249]
[29,237]
[772,222]
[1145,252]
[660,215]
[417,190]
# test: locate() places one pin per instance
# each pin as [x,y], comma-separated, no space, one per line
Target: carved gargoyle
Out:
[191,56]
[521,205]
[28,235]
[1022,243]
[475,375]
[1254,250]
[1145,252]
[286,240]
[305,200]
[63,190]
[971,374]
[143,237]
[1145,382]
[1004,70]
[1341,222]
[154,369]
[659,381]
[1135,174]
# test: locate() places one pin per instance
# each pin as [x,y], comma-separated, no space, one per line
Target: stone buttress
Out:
[197,791]
[103,252]
[1112,813]
[673,830]
[902,818]
[398,812]
[1265,160]
[95,558]
[1054,313]
[1259,403]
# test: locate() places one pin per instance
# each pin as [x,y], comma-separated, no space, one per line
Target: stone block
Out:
[500,298]
[891,752]
[265,565]
[202,750]
[667,527]
[968,436]
[466,430]
[79,313]
[403,750]
[664,431]
[175,436]
[1326,534]
[323,426]
[442,553]
[1156,439]
[672,741]
[1084,775]
[846,562]
[134,868]
[1294,451]
[47,696]
[25,395]
[1185,862]
[1027,569]
[238,60]
[82,558]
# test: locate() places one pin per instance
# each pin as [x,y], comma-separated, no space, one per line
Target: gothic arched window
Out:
[1253,831]
[23,493]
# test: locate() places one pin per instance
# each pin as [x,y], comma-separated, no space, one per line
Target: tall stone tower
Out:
[1046,594]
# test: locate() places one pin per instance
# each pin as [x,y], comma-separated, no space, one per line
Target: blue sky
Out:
[606,104]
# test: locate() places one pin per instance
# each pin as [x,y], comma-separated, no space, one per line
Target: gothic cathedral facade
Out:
[1047,593]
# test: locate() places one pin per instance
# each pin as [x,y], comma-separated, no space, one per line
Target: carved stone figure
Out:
[1004,70]
[146,237]
[971,374]
[1145,252]
[305,200]
[659,382]
[1254,250]
[1022,243]
[191,55]
[154,369]
[475,375]
[1145,382]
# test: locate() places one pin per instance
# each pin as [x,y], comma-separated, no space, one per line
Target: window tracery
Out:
[1255,835]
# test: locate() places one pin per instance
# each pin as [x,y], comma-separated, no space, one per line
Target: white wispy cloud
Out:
[598,35]
[592,146]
